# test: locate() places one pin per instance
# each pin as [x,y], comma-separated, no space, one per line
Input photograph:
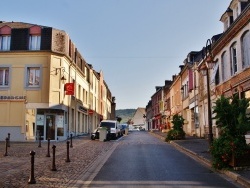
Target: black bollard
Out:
[71,144]
[32,178]
[39,141]
[9,140]
[6,146]
[53,159]
[48,153]
[67,160]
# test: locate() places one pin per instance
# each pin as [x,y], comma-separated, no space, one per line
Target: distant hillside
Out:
[125,114]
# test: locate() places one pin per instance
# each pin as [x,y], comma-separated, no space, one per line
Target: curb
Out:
[234,176]
[191,153]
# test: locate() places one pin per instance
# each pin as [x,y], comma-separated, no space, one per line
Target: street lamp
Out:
[205,72]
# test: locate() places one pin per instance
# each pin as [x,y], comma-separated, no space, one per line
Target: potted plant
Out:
[177,132]
[232,120]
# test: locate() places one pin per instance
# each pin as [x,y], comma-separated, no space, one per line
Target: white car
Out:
[112,127]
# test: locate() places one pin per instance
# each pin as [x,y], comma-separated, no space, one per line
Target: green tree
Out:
[233,122]
[118,119]
[177,132]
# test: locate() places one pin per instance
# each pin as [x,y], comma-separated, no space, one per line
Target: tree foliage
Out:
[125,114]
[177,132]
[233,121]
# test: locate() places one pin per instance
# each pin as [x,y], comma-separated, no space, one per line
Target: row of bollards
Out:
[7,144]
[48,151]
[40,139]
[32,153]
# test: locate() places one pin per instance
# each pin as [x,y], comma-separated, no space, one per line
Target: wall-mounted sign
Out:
[39,119]
[91,112]
[69,88]
[59,121]
[12,98]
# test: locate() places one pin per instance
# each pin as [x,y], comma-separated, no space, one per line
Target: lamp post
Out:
[205,72]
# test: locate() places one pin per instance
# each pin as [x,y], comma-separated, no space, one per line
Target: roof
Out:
[18,25]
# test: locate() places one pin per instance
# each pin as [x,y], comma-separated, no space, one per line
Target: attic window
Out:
[5,36]
[35,38]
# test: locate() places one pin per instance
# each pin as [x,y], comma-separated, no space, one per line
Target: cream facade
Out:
[46,87]
[230,52]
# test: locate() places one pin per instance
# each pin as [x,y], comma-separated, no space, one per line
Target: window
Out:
[5,33]
[234,66]
[4,76]
[33,77]
[35,38]
[5,42]
[225,67]
[226,24]
[245,46]
[34,42]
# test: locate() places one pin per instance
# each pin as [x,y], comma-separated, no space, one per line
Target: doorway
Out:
[50,127]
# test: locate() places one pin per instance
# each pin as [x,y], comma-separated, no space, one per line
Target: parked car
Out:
[122,128]
[112,128]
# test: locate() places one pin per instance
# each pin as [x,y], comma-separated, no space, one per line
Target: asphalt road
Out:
[142,160]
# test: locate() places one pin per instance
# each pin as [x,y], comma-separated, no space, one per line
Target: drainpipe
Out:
[75,89]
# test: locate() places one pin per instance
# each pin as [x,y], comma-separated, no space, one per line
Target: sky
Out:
[138,44]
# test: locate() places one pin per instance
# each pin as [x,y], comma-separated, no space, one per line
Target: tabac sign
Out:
[69,88]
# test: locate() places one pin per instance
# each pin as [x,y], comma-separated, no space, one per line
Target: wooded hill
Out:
[125,114]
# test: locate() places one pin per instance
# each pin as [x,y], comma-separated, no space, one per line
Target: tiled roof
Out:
[18,24]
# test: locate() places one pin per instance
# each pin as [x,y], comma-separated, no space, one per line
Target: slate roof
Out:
[18,24]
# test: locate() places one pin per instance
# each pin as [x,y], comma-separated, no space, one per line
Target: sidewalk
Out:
[198,148]
[15,169]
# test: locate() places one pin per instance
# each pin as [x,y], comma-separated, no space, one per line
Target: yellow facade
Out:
[34,103]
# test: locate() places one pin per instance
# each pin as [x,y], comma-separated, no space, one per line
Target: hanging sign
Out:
[91,112]
[69,88]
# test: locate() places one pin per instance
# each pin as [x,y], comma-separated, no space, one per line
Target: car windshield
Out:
[107,124]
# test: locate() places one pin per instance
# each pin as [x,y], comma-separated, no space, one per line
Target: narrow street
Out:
[142,160]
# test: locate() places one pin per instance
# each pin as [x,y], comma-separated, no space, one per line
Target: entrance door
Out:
[50,127]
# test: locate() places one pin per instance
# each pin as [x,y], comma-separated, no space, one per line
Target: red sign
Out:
[91,112]
[69,88]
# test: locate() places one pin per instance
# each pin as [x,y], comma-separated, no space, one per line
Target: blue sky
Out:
[138,44]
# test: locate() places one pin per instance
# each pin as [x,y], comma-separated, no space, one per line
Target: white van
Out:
[112,127]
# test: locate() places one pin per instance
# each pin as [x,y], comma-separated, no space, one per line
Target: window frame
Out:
[9,77]
[5,45]
[34,42]
[223,66]
[234,60]
[27,73]
[245,50]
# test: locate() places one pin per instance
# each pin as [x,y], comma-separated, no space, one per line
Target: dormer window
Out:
[226,25]
[235,11]
[227,18]
[35,38]
[5,36]
[238,6]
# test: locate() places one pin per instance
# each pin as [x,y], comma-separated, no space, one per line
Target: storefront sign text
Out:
[12,98]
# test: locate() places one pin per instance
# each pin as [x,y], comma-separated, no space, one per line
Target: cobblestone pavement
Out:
[198,148]
[16,167]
